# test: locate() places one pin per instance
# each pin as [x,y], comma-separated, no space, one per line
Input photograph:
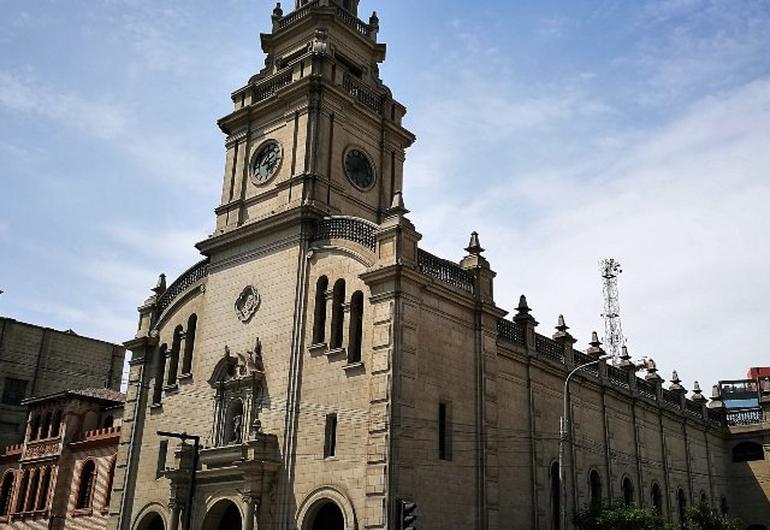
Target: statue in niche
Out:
[237,424]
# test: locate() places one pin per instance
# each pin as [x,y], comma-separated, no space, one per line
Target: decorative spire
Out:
[716,398]
[625,359]
[397,204]
[561,331]
[676,385]
[474,246]
[374,20]
[561,325]
[595,349]
[697,393]
[277,16]
[523,312]
[160,287]
[652,372]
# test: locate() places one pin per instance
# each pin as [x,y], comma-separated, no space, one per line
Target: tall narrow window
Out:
[110,480]
[657,498]
[34,483]
[6,490]
[234,423]
[189,344]
[444,432]
[162,455]
[682,502]
[723,507]
[45,487]
[330,438]
[22,493]
[160,369]
[356,327]
[56,425]
[173,360]
[555,497]
[704,500]
[628,492]
[86,488]
[338,314]
[596,490]
[319,312]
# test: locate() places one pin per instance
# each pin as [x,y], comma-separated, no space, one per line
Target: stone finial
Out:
[561,330]
[676,384]
[716,398]
[652,375]
[697,393]
[625,359]
[277,16]
[160,287]
[374,20]
[474,246]
[523,312]
[595,350]
[397,204]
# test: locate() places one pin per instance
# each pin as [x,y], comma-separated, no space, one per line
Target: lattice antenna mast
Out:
[613,331]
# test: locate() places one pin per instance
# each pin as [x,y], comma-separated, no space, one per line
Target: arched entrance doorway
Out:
[151,521]
[328,516]
[224,515]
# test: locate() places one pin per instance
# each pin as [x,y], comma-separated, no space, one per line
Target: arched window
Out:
[555,497]
[45,427]
[704,500]
[682,503]
[356,327]
[86,488]
[596,490]
[34,483]
[628,492]
[6,490]
[56,425]
[338,314]
[22,493]
[173,360]
[723,507]
[160,369]
[657,498]
[234,423]
[748,452]
[45,486]
[189,344]
[319,312]
[34,427]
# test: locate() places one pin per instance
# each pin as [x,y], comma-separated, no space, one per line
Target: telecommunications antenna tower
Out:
[613,331]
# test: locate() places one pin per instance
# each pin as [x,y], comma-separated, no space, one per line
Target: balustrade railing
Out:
[647,389]
[197,272]
[350,229]
[739,417]
[297,15]
[444,271]
[671,398]
[510,331]
[693,409]
[549,348]
[270,86]
[351,20]
[617,376]
[714,415]
[581,358]
[362,93]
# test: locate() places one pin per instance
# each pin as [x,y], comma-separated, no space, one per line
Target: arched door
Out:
[151,521]
[328,517]
[224,515]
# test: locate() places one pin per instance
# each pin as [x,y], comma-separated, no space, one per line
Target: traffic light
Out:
[407,515]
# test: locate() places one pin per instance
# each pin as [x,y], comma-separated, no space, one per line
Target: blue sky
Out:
[563,131]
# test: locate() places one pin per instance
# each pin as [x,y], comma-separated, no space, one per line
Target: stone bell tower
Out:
[316,127]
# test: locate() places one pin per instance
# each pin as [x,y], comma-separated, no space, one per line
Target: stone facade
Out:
[332,368]
[60,476]
[36,361]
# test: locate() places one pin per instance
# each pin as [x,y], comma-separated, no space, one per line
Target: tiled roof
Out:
[106,394]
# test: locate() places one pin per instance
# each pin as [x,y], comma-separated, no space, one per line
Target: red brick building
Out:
[60,476]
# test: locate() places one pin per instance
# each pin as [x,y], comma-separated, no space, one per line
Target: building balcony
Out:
[103,436]
[50,447]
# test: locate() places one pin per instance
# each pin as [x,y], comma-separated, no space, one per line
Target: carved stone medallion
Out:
[247,304]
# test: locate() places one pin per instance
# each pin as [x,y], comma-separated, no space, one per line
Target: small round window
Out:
[266,162]
[358,169]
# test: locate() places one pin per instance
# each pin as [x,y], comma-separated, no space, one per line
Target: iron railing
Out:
[347,228]
[444,271]
[693,409]
[549,348]
[618,376]
[510,331]
[671,398]
[737,417]
[197,272]
[647,389]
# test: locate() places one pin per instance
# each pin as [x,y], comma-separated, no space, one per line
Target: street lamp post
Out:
[193,472]
[565,434]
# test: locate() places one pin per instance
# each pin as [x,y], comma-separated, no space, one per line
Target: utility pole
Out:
[613,330]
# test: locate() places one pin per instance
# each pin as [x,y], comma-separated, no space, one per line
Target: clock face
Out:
[266,163]
[359,169]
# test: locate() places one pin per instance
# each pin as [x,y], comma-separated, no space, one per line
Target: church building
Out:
[319,369]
